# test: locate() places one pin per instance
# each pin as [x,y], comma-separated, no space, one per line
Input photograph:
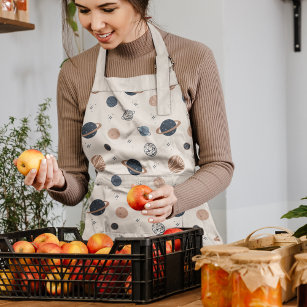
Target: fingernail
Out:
[144,211]
[44,161]
[51,156]
[48,156]
[150,220]
[149,196]
[147,206]
[33,170]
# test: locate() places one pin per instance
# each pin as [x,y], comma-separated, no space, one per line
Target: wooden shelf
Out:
[10,25]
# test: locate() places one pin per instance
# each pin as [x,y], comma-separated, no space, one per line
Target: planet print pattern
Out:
[186,146]
[168,127]
[134,167]
[114,226]
[150,149]
[190,131]
[176,164]
[144,130]
[98,163]
[98,206]
[180,214]
[111,101]
[90,129]
[159,182]
[107,147]
[113,133]
[202,214]
[133,93]
[128,115]
[121,212]
[158,228]
[116,180]
[153,101]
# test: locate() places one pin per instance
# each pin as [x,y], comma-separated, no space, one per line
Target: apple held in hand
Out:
[138,196]
[28,160]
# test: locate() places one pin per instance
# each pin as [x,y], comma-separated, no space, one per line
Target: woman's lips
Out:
[103,38]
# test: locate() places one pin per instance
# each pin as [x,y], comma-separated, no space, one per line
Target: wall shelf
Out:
[10,25]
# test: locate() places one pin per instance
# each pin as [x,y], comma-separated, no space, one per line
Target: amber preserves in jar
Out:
[215,265]
[256,279]
[300,279]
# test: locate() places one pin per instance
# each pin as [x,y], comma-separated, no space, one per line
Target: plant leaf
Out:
[302,231]
[301,211]
[71,9]
[304,198]
[73,24]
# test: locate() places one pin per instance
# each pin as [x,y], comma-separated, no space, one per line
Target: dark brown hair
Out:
[141,6]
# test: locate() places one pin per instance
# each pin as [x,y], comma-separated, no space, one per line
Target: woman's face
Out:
[112,22]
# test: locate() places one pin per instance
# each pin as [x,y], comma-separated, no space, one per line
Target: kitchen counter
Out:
[186,299]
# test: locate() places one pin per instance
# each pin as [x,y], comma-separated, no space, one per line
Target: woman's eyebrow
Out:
[100,6]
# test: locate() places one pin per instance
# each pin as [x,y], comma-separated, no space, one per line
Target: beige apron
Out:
[137,131]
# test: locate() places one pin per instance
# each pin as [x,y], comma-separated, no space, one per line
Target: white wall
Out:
[296,113]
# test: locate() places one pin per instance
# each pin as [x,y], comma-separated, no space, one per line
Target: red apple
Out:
[98,241]
[22,247]
[50,248]
[69,248]
[128,284]
[28,160]
[46,238]
[82,246]
[177,241]
[137,197]
[29,278]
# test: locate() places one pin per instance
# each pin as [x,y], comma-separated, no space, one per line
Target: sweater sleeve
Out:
[71,158]
[211,135]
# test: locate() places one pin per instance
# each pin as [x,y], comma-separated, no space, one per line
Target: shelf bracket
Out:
[297,15]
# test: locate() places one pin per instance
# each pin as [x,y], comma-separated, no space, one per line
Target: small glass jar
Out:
[300,279]
[215,265]
[256,279]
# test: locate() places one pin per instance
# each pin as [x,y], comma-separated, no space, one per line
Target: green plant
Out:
[21,206]
[301,211]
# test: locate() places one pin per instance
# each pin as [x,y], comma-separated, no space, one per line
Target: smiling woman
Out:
[135,106]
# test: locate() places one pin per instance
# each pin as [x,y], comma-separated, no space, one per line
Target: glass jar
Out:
[215,265]
[300,279]
[256,279]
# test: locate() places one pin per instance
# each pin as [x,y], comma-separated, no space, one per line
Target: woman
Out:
[135,106]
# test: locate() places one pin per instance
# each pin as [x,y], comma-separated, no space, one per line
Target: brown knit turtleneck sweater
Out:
[198,77]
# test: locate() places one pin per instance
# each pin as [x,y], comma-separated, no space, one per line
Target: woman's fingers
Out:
[49,174]
[40,179]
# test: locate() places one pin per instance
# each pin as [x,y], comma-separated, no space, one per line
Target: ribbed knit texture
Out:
[198,77]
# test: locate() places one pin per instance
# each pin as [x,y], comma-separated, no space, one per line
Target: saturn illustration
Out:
[168,127]
[89,129]
[134,167]
[144,130]
[98,207]
[133,93]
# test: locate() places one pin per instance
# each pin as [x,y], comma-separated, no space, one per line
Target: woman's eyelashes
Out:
[86,11]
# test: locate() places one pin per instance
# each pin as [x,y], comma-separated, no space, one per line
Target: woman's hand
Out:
[161,205]
[49,175]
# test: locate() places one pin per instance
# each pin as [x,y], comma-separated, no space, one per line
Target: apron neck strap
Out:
[163,68]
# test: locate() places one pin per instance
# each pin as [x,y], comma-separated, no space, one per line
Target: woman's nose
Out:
[97,22]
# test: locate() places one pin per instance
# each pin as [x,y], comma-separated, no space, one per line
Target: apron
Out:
[137,131]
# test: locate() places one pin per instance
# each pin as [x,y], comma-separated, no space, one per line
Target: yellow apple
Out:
[7,281]
[28,160]
[57,280]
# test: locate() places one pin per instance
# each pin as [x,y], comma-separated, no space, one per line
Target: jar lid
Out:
[253,256]
[301,257]
[223,250]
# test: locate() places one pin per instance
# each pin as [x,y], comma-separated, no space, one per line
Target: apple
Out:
[61,243]
[105,283]
[90,271]
[28,160]
[55,282]
[7,281]
[50,248]
[128,284]
[83,247]
[69,248]
[29,278]
[126,250]
[98,241]
[177,241]
[46,238]
[21,247]
[137,197]
[105,250]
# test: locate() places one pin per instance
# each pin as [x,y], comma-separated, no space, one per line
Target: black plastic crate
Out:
[147,274]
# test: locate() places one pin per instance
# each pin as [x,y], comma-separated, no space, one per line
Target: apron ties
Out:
[137,131]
